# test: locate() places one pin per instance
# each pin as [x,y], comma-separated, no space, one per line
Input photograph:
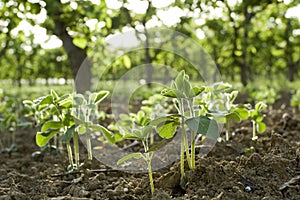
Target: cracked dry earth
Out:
[269,170]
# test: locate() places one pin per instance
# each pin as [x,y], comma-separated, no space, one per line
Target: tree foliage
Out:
[244,38]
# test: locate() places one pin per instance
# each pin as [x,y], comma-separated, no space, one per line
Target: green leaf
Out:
[205,126]
[127,61]
[81,129]
[233,96]
[243,113]
[108,22]
[46,100]
[171,93]
[233,116]
[261,127]
[180,80]
[109,136]
[54,95]
[67,136]
[167,130]
[99,96]
[260,106]
[129,156]
[42,138]
[80,42]
[66,102]
[195,91]
[51,125]
[78,99]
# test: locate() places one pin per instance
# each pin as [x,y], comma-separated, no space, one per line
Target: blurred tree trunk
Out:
[76,55]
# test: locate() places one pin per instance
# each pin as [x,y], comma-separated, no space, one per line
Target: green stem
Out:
[88,143]
[227,129]
[148,158]
[193,139]
[184,140]
[69,149]
[253,130]
[182,156]
[186,145]
[76,149]
[150,173]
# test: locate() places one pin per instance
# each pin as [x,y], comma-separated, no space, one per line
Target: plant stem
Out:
[150,173]
[184,140]
[227,129]
[88,143]
[69,149]
[253,130]
[76,149]
[182,156]
[192,114]
[148,158]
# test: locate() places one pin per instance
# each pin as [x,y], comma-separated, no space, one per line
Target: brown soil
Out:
[270,171]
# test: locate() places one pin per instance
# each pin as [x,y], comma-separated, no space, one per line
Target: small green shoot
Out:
[138,127]
[183,95]
[257,119]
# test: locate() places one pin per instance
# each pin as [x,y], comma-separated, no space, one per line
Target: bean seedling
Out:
[183,95]
[220,104]
[256,118]
[67,116]
[138,127]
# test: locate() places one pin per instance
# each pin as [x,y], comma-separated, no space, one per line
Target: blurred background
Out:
[253,43]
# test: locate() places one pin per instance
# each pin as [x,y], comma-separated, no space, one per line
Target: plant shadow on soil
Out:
[270,171]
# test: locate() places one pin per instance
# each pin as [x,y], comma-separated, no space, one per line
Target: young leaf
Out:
[167,130]
[173,93]
[66,102]
[78,99]
[45,100]
[205,126]
[243,113]
[98,97]
[195,91]
[67,136]
[54,95]
[233,96]
[129,156]
[81,129]
[51,125]
[260,106]
[261,127]
[233,116]
[42,138]
[109,136]
[180,80]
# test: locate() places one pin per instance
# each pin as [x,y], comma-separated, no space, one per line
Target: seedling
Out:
[156,106]
[183,95]
[265,94]
[220,104]
[138,127]
[57,116]
[256,118]
[84,112]
[12,118]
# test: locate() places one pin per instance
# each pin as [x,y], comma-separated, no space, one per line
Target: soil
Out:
[232,170]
